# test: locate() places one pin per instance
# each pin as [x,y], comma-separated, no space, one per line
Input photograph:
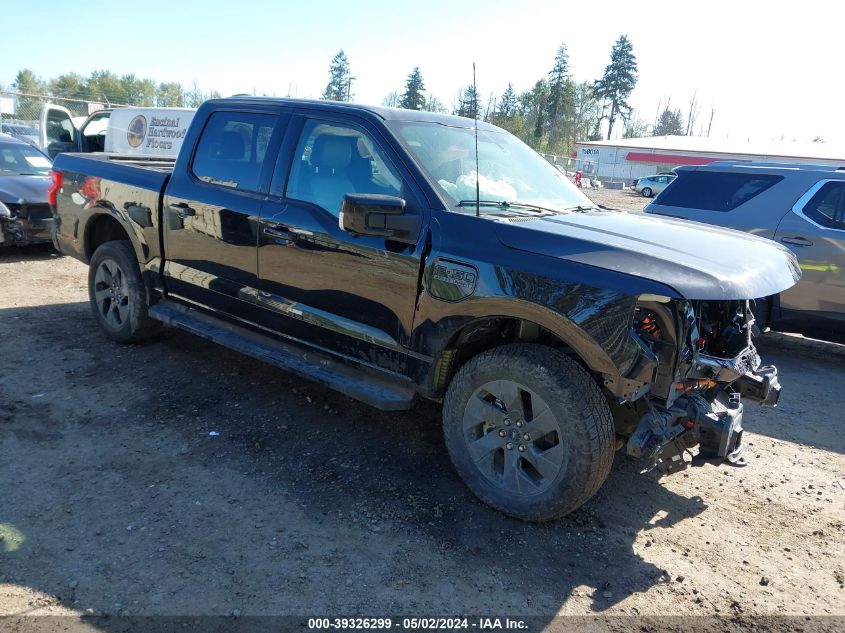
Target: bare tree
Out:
[693,113]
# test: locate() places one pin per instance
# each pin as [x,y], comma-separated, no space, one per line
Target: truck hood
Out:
[698,261]
[31,189]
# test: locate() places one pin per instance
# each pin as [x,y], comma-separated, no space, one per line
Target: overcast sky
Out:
[768,70]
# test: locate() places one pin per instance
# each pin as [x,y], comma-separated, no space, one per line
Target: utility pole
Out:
[349,88]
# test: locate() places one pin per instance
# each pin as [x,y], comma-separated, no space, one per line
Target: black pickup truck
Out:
[378,252]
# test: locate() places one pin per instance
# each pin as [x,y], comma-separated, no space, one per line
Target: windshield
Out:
[510,171]
[21,159]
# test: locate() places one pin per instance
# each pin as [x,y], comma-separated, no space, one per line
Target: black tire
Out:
[118,295]
[581,444]
[647,192]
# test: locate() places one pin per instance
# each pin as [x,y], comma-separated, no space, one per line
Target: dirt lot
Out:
[627,200]
[117,499]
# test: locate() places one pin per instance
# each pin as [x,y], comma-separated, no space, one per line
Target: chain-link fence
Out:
[563,163]
[20,112]
[596,171]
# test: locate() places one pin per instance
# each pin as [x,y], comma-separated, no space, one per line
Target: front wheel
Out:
[118,295]
[647,192]
[528,431]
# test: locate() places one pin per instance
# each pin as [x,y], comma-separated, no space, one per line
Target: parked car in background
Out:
[23,131]
[652,185]
[800,206]
[25,216]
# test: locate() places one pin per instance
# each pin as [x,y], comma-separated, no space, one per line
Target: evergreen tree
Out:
[620,77]
[469,104]
[558,78]
[507,104]
[670,123]
[413,97]
[339,87]
[540,104]
[28,83]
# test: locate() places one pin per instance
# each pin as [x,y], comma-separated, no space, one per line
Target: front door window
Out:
[333,159]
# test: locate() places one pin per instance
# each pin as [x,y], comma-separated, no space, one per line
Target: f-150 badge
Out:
[451,281]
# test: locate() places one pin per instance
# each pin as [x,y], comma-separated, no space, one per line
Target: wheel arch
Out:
[102,228]
[484,333]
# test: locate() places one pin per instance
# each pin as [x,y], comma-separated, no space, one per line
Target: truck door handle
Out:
[796,241]
[279,233]
[182,209]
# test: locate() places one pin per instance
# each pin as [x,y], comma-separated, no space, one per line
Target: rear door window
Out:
[827,206]
[715,191]
[232,149]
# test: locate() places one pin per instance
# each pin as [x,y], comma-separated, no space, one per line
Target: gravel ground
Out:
[627,200]
[179,478]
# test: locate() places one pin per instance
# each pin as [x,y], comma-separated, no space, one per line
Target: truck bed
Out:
[125,189]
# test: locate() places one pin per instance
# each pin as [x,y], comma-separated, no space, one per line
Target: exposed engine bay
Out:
[704,364]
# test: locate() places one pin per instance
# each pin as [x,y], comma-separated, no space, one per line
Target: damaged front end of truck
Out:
[697,364]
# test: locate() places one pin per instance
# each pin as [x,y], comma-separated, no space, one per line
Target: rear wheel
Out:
[529,431]
[118,295]
[647,192]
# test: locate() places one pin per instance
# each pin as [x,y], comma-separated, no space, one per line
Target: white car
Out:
[652,185]
[23,131]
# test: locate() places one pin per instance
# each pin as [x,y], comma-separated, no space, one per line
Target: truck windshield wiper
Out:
[582,207]
[506,204]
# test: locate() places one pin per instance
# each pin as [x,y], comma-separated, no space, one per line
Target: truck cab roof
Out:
[382,112]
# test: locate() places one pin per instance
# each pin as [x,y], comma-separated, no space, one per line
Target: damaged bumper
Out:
[665,435]
[760,385]
[743,373]
[705,366]
[24,224]
[705,410]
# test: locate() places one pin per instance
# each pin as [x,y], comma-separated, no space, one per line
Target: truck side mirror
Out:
[378,215]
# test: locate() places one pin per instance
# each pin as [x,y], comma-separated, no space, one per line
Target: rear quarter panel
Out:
[94,186]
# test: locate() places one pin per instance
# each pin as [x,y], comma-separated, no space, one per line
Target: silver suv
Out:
[652,185]
[801,206]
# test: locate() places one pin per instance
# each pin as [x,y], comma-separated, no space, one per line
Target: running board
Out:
[356,381]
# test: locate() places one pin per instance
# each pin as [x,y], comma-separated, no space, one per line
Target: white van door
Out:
[57,133]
